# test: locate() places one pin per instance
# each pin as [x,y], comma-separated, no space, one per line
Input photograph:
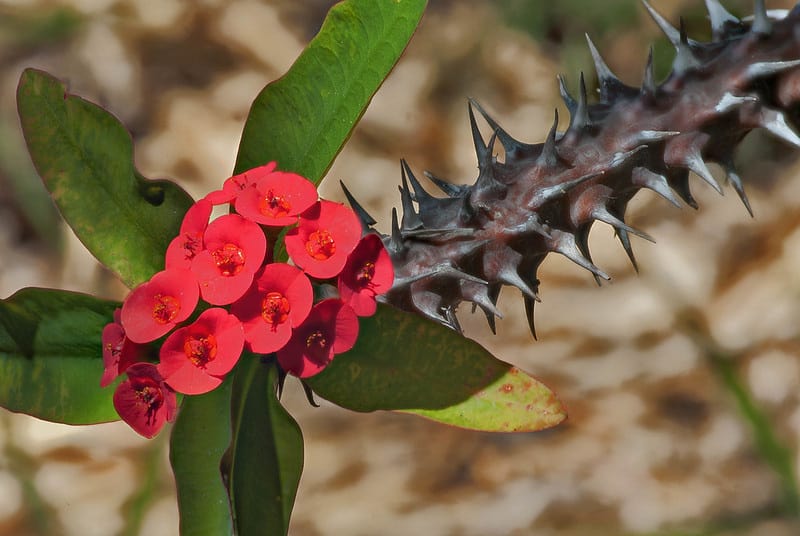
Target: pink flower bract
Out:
[327,233]
[276,199]
[331,328]
[119,352]
[234,251]
[195,358]
[144,401]
[153,308]
[233,186]
[189,241]
[367,273]
[280,299]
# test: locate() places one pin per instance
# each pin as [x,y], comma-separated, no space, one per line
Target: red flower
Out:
[119,352]
[195,358]
[280,300]
[368,272]
[331,328]
[144,401]
[277,199]
[153,308]
[189,242]
[327,233]
[234,185]
[235,249]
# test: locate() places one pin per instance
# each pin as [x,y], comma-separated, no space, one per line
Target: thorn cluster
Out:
[545,197]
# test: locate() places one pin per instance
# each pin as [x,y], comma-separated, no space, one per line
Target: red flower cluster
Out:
[270,306]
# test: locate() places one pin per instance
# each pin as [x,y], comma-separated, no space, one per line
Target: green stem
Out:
[769,447]
[137,505]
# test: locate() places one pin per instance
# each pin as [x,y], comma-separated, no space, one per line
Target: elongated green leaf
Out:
[85,157]
[405,363]
[51,356]
[199,439]
[265,458]
[303,119]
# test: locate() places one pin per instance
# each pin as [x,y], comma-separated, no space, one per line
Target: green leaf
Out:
[303,119]
[51,356]
[265,459]
[406,363]
[85,157]
[199,438]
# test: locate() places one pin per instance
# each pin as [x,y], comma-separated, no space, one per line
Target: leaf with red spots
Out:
[405,363]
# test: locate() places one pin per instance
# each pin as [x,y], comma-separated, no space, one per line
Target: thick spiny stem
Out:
[545,197]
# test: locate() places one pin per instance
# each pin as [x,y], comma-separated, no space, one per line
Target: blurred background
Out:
[681,381]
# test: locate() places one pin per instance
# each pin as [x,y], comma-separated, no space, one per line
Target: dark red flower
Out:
[331,328]
[280,299]
[234,251]
[276,198]
[327,233]
[367,273]
[189,241]
[234,185]
[144,401]
[119,352]
[153,308]
[195,358]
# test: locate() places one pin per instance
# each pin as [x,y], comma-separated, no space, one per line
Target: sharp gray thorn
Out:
[410,220]
[366,220]
[730,101]
[549,155]
[694,162]
[719,17]
[480,146]
[565,244]
[494,292]
[761,23]
[582,241]
[481,298]
[452,190]
[529,303]
[684,57]
[775,122]
[736,182]
[510,144]
[509,276]
[396,241]
[653,181]
[602,214]
[491,321]
[580,118]
[531,224]
[420,194]
[452,271]
[547,193]
[769,68]
[625,240]
[684,190]
[569,102]
[428,303]
[440,235]
[490,145]
[669,30]
[649,81]
[647,136]
[405,281]
[452,319]
[607,79]
[622,157]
